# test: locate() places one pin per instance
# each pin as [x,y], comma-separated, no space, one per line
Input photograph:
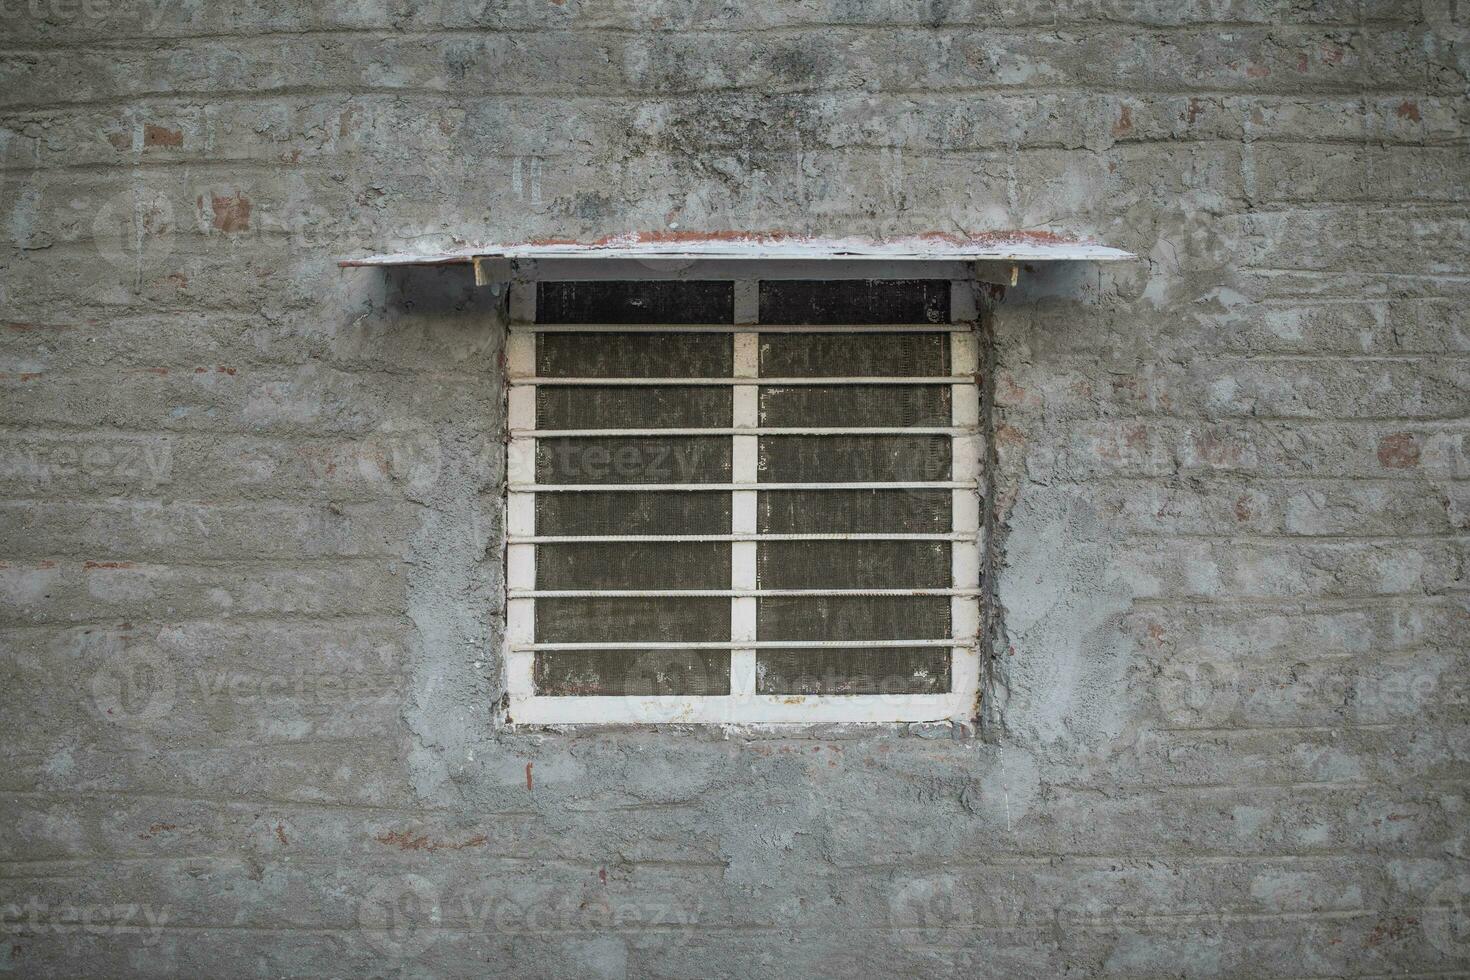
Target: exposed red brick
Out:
[1215,450]
[1242,509]
[161,136]
[1408,110]
[1398,451]
[1125,121]
[231,212]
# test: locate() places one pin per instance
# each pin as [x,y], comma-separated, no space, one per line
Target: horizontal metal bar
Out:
[964,327]
[725,710]
[728,382]
[726,487]
[947,642]
[685,538]
[724,593]
[897,430]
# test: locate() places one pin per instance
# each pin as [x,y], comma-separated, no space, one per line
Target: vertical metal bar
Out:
[520,509]
[743,559]
[964,358]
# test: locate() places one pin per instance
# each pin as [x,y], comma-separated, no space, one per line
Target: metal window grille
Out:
[751,501]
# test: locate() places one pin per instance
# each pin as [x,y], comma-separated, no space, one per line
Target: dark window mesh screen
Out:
[634,459]
[641,512]
[853,564]
[789,406]
[853,459]
[854,511]
[586,407]
[839,355]
[634,355]
[633,565]
[613,460]
[921,670]
[886,301]
[635,302]
[632,673]
[853,617]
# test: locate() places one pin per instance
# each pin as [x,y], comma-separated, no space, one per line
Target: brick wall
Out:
[251,502]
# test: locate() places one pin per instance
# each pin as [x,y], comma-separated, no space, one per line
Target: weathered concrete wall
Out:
[251,514]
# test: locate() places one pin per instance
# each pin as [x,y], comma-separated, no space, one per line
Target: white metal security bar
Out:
[736,382]
[752,487]
[948,641]
[917,430]
[743,328]
[722,593]
[691,538]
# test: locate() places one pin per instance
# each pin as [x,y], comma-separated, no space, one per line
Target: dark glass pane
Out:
[635,355]
[592,512]
[631,620]
[642,301]
[633,565]
[845,355]
[855,406]
[853,618]
[856,511]
[634,459]
[916,670]
[635,673]
[839,459]
[854,565]
[584,407]
[854,301]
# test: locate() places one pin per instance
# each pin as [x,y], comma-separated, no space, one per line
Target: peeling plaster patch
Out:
[1063,598]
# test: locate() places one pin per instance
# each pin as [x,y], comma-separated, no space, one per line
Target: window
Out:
[742,501]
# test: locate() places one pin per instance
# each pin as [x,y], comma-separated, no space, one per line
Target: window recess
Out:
[743,501]
[744,480]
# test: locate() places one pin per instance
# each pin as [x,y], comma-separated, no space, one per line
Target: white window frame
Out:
[743,705]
